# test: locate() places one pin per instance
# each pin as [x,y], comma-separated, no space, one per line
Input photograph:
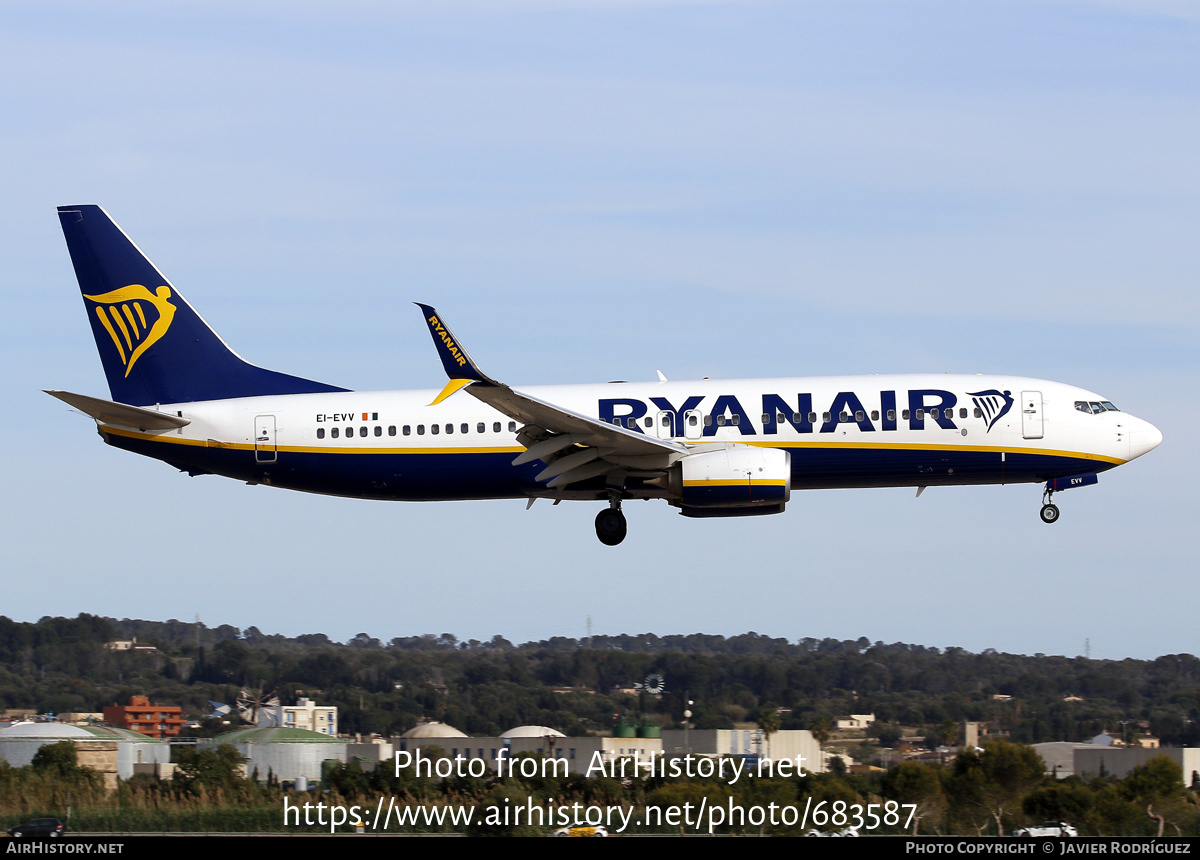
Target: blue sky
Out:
[593,191]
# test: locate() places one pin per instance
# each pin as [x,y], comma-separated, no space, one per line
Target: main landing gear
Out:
[610,524]
[1049,510]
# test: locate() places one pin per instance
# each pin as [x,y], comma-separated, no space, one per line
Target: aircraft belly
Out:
[848,468]
[392,476]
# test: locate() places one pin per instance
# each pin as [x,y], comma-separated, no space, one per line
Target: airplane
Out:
[709,448]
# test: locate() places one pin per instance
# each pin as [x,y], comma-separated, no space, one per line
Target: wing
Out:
[574,447]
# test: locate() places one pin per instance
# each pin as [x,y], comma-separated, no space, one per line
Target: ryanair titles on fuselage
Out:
[935,404]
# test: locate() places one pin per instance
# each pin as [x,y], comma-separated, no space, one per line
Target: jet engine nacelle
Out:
[736,481]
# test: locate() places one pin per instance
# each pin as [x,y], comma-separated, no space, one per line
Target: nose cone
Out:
[1143,437]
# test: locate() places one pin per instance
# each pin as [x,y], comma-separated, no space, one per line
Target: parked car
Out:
[38,827]
[581,831]
[1050,828]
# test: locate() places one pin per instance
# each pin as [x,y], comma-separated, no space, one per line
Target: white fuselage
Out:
[861,431]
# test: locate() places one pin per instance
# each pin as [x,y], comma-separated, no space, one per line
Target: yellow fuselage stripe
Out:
[743,483]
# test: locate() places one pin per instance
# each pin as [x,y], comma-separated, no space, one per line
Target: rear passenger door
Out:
[264,439]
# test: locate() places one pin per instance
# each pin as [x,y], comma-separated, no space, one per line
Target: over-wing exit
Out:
[709,448]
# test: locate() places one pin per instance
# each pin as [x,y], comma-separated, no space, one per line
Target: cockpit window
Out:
[1095,407]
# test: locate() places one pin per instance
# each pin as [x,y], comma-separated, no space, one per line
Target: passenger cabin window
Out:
[435,429]
[362,431]
[978,412]
[512,426]
[496,427]
[825,417]
[378,429]
[891,415]
[874,414]
[812,418]
[480,428]
[449,429]
[720,420]
[904,415]
[320,432]
[736,419]
[844,418]
[707,420]
[859,415]
[333,433]
[392,430]
[933,413]
[349,432]
[962,413]
[420,429]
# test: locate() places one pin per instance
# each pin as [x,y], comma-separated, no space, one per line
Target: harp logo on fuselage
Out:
[992,403]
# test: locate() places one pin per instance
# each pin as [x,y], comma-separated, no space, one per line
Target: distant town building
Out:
[113,752]
[286,753]
[305,714]
[973,734]
[81,718]
[156,721]
[855,722]
[130,645]
[1119,761]
[1058,757]
[746,742]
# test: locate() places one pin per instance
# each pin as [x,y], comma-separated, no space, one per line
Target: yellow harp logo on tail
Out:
[123,313]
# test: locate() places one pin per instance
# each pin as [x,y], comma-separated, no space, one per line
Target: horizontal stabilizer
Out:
[121,414]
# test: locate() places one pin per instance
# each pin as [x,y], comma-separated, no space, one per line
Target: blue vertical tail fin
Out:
[154,347]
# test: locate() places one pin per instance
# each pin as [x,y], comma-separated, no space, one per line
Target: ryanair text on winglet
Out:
[440,331]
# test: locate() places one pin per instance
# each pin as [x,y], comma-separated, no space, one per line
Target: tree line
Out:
[483,688]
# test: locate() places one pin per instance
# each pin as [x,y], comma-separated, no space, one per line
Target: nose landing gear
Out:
[610,524]
[1049,511]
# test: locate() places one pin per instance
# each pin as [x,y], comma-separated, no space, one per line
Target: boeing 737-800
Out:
[709,448]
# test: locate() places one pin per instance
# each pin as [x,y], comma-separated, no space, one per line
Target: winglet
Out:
[459,366]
